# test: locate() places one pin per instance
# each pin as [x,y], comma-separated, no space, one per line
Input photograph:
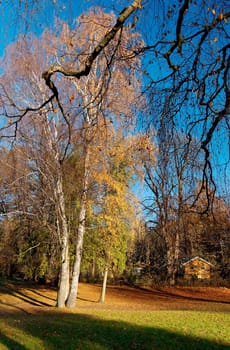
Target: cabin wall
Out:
[197,268]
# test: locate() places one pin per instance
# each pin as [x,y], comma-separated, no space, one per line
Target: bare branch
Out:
[29,249]
[123,16]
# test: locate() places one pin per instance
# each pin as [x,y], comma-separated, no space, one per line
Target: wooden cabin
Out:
[197,267]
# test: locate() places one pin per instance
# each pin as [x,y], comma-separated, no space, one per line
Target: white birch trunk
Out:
[56,175]
[63,289]
[103,289]
[71,301]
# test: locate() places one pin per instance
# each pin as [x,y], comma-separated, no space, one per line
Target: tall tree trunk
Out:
[177,244]
[173,251]
[71,301]
[170,264]
[63,289]
[170,252]
[93,272]
[103,289]
[62,226]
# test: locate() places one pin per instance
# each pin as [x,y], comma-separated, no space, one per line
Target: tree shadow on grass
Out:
[57,330]
[29,299]
[10,343]
[18,292]
[40,294]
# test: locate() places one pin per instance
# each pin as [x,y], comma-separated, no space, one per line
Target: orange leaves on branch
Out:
[71,98]
[145,148]
[221,16]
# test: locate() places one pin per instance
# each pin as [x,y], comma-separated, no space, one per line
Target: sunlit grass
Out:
[28,321]
[110,329]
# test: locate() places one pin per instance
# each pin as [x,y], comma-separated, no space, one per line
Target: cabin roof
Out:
[197,258]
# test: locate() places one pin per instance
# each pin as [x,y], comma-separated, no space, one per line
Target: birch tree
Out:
[46,123]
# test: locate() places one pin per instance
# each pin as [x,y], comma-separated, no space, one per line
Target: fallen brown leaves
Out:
[32,299]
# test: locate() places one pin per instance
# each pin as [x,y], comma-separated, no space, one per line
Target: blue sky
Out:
[18,18]
[21,17]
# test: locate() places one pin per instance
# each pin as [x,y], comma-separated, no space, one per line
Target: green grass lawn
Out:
[105,330]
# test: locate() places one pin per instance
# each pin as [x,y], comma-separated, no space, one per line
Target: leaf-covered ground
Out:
[131,318]
[31,298]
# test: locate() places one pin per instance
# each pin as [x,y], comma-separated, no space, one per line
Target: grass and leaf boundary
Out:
[29,321]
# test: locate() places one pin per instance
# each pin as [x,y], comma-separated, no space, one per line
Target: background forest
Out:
[114,158]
